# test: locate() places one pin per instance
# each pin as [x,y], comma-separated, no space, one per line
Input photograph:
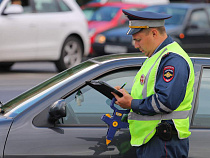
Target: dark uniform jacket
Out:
[170,92]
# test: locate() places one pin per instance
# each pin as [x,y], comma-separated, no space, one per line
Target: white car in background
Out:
[42,30]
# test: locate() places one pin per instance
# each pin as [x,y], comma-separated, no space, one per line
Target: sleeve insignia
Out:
[168,73]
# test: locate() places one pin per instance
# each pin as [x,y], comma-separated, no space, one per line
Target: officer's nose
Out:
[136,44]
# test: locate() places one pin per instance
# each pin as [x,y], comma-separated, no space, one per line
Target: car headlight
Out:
[100,39]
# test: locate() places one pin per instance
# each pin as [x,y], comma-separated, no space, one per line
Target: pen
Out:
[123,85]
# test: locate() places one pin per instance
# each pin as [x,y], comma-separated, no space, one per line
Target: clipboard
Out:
[104,88]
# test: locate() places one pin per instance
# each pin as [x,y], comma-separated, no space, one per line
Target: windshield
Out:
[25,100]
[178,14]
[100,13]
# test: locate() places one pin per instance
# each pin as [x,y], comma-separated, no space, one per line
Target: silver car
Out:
[61,117]
[42,30]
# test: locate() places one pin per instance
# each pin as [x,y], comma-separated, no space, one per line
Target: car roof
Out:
[105,58]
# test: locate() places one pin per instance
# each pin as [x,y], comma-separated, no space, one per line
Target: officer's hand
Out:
[118,88]
[125,100]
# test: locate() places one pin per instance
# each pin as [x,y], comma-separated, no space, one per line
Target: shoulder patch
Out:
[168,73]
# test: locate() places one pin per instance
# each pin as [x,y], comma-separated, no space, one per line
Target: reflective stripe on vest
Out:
[154,105]
[172,115]
[144,92]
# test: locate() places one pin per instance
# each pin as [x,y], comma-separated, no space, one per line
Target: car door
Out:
[81,133]
[86,106]
[200,124]
[18,40]
[197,36]
[53,18]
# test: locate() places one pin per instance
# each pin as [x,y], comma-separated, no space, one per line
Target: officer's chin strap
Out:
[114,122]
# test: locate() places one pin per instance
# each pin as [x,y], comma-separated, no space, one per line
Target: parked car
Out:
[114,41]
[43,30]
[105,16]
[61,117]
[189,26]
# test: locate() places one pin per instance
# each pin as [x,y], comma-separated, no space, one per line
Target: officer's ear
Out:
[154,32]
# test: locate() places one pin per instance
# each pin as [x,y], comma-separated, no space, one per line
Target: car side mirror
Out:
[57,110]
[13,9]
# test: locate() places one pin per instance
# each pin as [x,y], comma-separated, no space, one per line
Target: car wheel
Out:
[6,66]
[71,53]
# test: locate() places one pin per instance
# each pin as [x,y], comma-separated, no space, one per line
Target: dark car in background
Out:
[114,41]
[189,26]
[61,117]
[104,16]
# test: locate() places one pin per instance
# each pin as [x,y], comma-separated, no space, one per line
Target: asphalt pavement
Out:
[24,76]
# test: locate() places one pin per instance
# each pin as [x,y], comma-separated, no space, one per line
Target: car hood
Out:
[118,34]
[5,124]
[117,31]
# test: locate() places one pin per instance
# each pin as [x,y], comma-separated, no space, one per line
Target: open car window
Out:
[86,105]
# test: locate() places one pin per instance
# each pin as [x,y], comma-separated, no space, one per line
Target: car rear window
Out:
[43,6]
[63,6]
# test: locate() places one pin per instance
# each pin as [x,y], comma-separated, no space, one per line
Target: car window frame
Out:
[198,78]
[58,1]
[106,73]
[199,9]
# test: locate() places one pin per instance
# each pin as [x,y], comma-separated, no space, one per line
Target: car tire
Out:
[71,53]
[6,66]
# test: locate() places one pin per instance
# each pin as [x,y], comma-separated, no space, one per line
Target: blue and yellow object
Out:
[114,122]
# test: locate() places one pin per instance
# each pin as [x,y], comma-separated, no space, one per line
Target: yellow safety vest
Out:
[143,127]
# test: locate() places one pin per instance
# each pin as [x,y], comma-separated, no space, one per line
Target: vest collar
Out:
[167,41]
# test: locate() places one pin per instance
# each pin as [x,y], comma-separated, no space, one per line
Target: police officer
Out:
[162,92]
